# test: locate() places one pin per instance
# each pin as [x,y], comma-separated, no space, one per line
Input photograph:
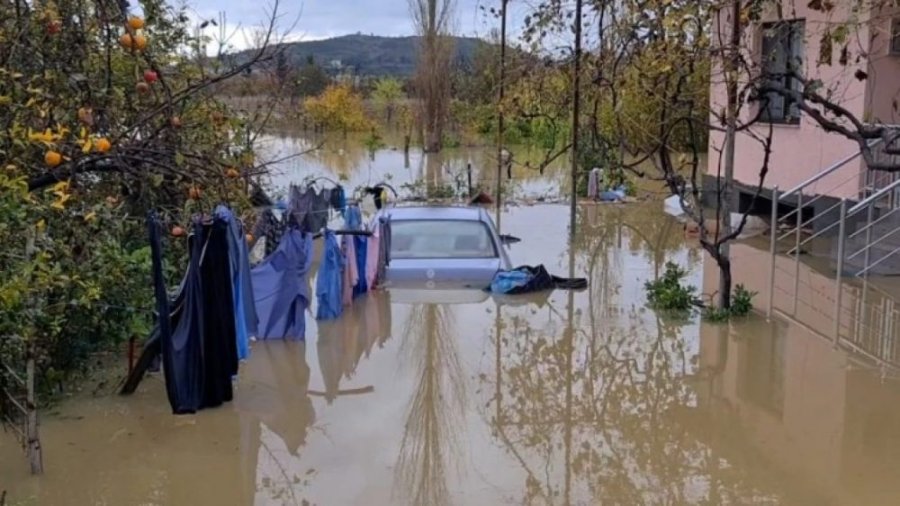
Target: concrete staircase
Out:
[884,249]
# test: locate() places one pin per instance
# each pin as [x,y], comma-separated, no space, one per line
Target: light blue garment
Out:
[280,288]
[353,218]
[329,282]
[241,286]
[611,196]
[507,281]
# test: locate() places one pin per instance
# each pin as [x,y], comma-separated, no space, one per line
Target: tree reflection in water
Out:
[596,411]
[431,433]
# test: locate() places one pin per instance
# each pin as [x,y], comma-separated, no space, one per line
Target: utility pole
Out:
[502,84]
[732,59]
[576,105]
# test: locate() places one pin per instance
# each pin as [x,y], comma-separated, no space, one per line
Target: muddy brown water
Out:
[563,398]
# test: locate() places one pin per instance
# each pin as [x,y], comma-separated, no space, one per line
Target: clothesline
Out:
[367,233]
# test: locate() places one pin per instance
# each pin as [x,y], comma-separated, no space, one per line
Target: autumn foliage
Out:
[338,108]
[104,116]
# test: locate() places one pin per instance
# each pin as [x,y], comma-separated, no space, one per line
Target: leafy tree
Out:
[433,20]
[386,93]
[105,116]
[338,108]
[311,79]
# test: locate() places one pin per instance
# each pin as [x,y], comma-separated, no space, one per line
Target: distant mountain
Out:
[370,55]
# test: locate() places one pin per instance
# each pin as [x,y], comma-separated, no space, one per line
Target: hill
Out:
[371,55]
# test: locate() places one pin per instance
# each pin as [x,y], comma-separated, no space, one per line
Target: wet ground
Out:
[566,398]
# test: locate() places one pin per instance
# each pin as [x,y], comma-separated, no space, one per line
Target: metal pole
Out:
[501,92]
[838,285]
[576,106]
[865,286]
[797,236]
[869,216]
[773,239]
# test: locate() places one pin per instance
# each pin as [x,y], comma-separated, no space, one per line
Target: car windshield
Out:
[441,239]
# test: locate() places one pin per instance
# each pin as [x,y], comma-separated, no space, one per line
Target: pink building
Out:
[861,71]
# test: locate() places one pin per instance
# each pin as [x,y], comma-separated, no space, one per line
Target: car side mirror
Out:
[507,239]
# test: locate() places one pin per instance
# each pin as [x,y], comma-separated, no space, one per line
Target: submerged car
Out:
[443,248]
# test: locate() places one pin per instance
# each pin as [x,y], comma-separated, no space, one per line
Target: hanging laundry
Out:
[373,251]
[308,209]
[328,281]
[241,284]
[594,180]
[338,199]
[200,352]
[181,354]
[384,250]
[319,211]
[360,245]
[379,193]
[280,288]
[351,272]
[353,218]
[220,356]
[269,226]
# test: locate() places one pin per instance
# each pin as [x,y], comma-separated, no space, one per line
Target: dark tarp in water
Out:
[281,290]
[528,279]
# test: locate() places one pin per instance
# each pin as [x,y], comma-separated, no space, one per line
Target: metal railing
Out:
[861,236]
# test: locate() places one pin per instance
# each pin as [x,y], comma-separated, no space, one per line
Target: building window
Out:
[782,54]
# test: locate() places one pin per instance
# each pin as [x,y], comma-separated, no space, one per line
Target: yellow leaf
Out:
[87,146]
[5,100]
[41,225]
[90,216]
[60,188]
[60,203]
[83,133]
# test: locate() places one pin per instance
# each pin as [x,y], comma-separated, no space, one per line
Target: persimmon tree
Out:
[107,110]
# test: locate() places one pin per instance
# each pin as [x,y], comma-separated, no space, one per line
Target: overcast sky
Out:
[320,19]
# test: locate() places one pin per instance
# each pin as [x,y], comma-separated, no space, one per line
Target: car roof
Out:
[437,213]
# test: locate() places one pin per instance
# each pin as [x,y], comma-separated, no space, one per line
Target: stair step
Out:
[889,267]
[882,227]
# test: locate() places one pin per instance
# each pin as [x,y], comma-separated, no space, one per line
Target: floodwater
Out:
[574,398]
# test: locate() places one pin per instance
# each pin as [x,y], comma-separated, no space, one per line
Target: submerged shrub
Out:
[741,305]
[668,292]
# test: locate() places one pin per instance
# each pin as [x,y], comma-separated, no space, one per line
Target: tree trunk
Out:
[725,203]
[724,264]
[35,456]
